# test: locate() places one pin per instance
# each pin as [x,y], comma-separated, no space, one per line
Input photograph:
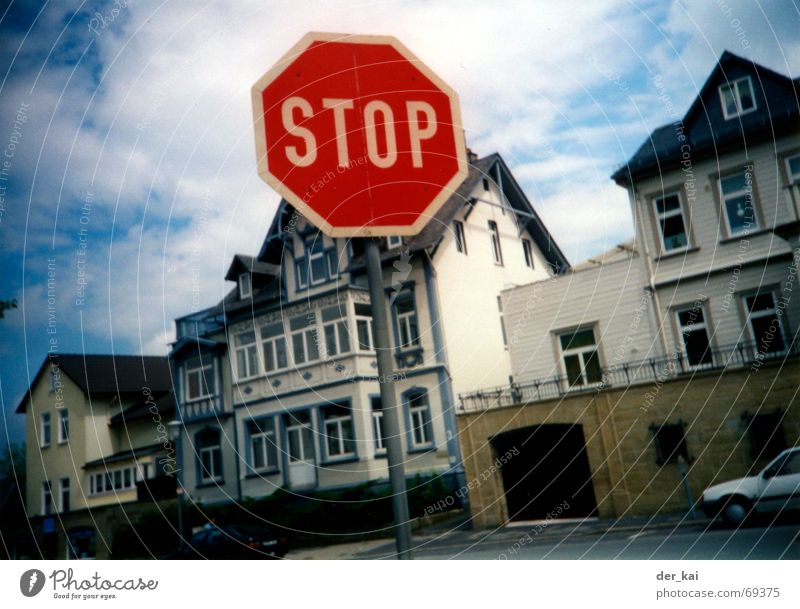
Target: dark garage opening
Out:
[551,468]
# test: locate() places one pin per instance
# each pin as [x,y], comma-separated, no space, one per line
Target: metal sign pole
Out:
[391,420]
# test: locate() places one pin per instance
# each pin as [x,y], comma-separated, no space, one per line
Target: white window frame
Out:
[502,321]
[361,319]
[309,335]
[583,354]
[104,482]
[245,285]
[497,249]
[723,197]
[377,423]
[733,85]
[694,326]
[271,343]
[45,430]
[63,425]
[341,334]
[527,250]
[61,489]
[47,493]
[394,242]
[208,475]
[460,237]
[251,374]
[773,313]
[661,216]
[311,255]
[204,364]
[266,437]
[404,322]
[334,430]
[419,423]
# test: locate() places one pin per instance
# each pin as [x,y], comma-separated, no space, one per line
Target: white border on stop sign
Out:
[302,206]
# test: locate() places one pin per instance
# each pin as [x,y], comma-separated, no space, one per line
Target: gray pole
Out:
[391,420]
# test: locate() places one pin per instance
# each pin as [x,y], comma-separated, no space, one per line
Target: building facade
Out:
[277,385]
[676,348]
[96,439]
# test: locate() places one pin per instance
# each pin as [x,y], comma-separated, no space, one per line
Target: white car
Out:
[776,488]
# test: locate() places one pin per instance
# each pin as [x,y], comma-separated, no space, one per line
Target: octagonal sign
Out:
[359,135]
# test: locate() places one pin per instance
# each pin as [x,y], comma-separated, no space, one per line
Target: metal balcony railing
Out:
[653,370]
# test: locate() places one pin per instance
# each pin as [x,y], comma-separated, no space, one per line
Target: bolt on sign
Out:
[358,135]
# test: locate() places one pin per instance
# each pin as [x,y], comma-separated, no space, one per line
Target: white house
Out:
[277,384]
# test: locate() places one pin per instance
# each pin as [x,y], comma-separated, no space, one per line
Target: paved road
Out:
[693,541]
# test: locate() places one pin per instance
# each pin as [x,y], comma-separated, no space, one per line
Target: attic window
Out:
[486,184]
[245,286]
[737,97]
[393,242]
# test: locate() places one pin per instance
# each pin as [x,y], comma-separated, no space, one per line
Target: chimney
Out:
[471,156]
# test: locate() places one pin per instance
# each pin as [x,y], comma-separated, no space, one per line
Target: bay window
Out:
[334,328]
[246,352]
[200,381]
[273,346]
[304,338]
[364,326]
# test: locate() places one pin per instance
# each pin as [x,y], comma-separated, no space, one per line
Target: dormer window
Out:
[737,97]
[245,285]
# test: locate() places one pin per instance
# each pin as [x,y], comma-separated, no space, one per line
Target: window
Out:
[304,338]
[246,355]
[495,235]
[419,414]
[486,184]
[527,249]
[378,425]
[406,315]
[339,437]
[44,430]
[209,452]
[245,285]
[767,438]
[461,241]
[764,323]
[263,447]
[334,328]
[273,346]
[319,264]
[502,321]
[737,97]
[63,491]
[364,326]
[393,242]
[793,169]
[671,223]
[694,336]
[200,381]
[47,498]
[119,479]
[738,206]
[63,426]
[670,443]
[581,361]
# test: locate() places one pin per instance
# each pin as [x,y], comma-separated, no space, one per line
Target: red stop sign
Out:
[359,135]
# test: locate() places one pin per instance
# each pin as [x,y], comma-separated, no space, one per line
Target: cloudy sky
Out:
[126,135]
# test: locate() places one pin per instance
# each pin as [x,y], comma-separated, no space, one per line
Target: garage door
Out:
[547,468]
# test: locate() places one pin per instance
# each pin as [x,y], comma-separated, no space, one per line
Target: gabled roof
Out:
[96,374]
[704,127]
[164,407]
[242,264]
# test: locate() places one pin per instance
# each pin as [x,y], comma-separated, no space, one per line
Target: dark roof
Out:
[124,455]
[164,406]
[96,374]
[705,128]
[242,263]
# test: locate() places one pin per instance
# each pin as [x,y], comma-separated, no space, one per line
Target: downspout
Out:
[651,278]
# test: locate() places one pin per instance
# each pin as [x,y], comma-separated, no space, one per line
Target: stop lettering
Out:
[359,135]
